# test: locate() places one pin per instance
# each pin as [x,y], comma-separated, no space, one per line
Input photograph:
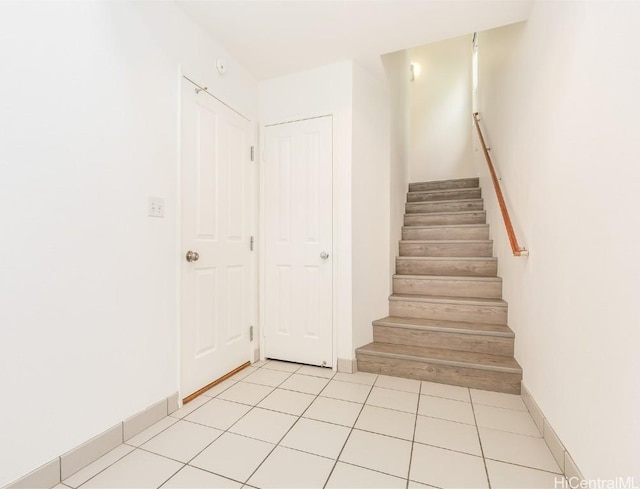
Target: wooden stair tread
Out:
[460,327]
[448,277]
[445,191]
[447,258]
[450,213]
[448,226]
[446,241]
[452,201]
[448,300]
[474,180]
[482,361]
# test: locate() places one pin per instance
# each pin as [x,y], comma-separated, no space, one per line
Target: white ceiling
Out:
[272,38]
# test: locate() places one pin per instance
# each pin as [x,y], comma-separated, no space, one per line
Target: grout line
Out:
[350,433]
[415,427]
[484,460]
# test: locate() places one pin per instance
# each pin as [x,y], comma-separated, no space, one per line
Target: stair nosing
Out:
[447,241]
[445,190]
[451,363]
[444,213]
[479,199]
[447,258]
[453,226]
[447,277]
[444,329]
[470,301]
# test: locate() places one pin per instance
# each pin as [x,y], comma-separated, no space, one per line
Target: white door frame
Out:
[184,77]
[262,244]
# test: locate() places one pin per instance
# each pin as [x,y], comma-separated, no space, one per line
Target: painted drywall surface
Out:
[370,193]
[322,91]
[440,104]
[396,70]
[88,282]
[559,100]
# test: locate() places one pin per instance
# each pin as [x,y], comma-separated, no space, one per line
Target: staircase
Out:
[447,321]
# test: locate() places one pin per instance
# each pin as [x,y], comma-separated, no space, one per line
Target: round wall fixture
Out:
[221,66]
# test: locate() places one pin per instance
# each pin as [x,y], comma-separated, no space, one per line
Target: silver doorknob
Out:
[324,255]
[192,256]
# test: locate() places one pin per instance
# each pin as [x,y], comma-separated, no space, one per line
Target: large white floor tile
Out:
[506,420]
[398,383]
[246,393]
[304,383]
[218,413]
[447,469]
[346,391]
[387,422]
[285,401]
[324,372]
[317,437]
[151,431]
[243,373]
[221,387]
[334,411]
[391,399]
[286,468]
[498,399]
[518,449]
[83,475]
[260,363]
[418,485]
[364,378]
[182,441]
[192,478]
[508,476]
[448,434]
[264,425]
[377,452]
[282,366]
[347,476]
[190,407]
[268,377]
[438,407]
[138,469]
[445,390]
[233,456]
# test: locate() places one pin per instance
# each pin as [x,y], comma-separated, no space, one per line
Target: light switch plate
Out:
[156,207]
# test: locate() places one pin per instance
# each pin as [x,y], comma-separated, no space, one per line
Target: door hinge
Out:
[250,333]
[251,243]
[252,153]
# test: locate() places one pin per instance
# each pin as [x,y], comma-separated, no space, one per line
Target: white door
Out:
[217,290]
[298,238]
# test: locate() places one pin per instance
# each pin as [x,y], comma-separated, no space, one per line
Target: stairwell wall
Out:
[370,195]
[440,138]
[558,96]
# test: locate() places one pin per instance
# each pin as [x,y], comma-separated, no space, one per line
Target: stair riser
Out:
[449,312]
[496,345]
[444,220]
[445,233]
[446,249]
[444,206]
[466,377]
[444,185]
[472,193]
[448,268]
[448,288]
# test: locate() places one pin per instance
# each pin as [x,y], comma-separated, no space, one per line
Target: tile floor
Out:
[278,424]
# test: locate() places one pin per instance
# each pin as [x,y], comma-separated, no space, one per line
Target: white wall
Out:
[440,111]
[322,91]
[395,66]
[370,191]
[559,99]
[88,283]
